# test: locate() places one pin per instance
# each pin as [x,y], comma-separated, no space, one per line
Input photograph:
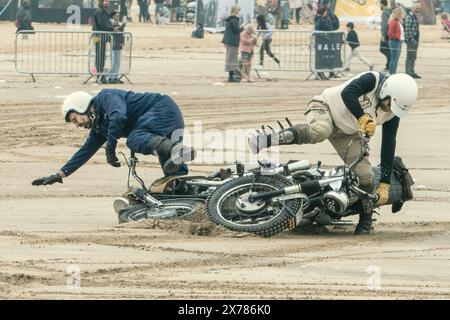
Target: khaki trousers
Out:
[321,127]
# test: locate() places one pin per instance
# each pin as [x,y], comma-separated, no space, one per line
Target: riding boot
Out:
[297,134]
[176,153]
[365,218]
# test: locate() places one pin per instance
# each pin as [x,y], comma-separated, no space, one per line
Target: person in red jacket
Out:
[396,37]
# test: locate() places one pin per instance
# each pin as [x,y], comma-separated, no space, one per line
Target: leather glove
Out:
[383,194]
[111,158]
[367,125]
[47,180]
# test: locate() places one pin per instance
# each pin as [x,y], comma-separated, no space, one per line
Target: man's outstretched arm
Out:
[90,147]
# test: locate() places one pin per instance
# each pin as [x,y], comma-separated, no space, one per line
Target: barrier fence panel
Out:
[290,48]
[327,52]
[74,53]
[110,55]
[301,51]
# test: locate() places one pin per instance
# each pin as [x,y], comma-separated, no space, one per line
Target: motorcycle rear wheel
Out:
[264,218]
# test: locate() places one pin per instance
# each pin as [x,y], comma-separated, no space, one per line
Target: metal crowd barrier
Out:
[105,56]
[302,51]
[327,52]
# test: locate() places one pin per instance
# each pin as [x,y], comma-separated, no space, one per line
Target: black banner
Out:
[328,46]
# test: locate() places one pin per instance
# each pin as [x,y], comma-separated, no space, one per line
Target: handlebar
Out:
[364,194]
[364,149]
[290,168]
[131,163]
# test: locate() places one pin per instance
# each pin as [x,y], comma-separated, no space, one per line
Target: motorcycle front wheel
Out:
[230,207]
[171,209]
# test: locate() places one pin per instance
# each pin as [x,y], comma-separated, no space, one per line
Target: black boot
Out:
[176,153]
[232,77]
[365,218]
[364,225]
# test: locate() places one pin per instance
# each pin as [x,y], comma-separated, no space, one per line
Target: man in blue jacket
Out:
[102,23]
[151,122]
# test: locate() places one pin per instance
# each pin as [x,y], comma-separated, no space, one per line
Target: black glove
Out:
[111,158]
[47,180]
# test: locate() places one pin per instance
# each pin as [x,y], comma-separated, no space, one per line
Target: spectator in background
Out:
[276,10]
[332,18]
[285,14]
[102,22]
[265,30]
[321,23]
[164,16]
[297,9]
[384,42]
[116,48]
[23,17]
[445,21]
[174,8]
[261,7]
[123,11]
[412,34]
[396,36]
[314,7]
[159,4]
[231,40]
[248,42]
[353,42]
[446,6]
[144,15]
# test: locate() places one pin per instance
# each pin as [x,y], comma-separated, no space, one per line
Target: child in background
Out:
[248,42]
[445,21]
[353,42]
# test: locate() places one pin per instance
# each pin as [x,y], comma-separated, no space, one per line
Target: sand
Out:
[63,241]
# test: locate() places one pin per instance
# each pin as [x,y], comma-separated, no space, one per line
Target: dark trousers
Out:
[143,13]
[384,49]
[165,120]
[411,56]
[266,47]
[100,52]
[297,14]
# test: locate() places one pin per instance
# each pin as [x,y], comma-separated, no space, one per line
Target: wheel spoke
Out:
[230,212]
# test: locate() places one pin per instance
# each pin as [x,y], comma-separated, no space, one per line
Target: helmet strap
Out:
[91,115]
[383,77]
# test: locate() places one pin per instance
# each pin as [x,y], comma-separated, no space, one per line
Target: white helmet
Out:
[78,101]
[403,91]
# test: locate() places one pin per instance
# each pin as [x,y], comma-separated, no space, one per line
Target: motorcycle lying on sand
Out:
[172,197]
[271,200]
